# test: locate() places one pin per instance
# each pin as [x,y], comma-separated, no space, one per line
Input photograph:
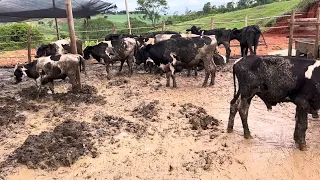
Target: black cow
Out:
[58,48]
[223,36]
[276,79]
[113,37]
[110,51]
[172,54]
[248,37]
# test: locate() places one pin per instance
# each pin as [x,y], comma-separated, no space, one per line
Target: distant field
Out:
[274,9]
[123,18]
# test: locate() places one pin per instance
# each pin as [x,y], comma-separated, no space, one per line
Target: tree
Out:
[230,5]
[50,23]
[152,9]
[206,8]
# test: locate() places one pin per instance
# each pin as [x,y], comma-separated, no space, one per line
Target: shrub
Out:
[136,23]
[97,25]
[16,34]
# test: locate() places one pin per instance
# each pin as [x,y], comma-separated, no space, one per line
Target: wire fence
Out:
[162,27]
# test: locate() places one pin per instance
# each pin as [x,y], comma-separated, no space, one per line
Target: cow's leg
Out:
[228,50]
[173,76]
[107,63]
[243,111]
[242,50]
[256,43]
[315,113]
[51,86]
[168,74]
[195,71]
[121,65]
[301,124]
[213,70]
[189,72]
[234,106]
[130,64]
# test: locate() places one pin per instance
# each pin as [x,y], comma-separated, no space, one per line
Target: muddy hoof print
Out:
[248,136]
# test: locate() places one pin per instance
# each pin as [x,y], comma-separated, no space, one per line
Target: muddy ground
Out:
[136,128]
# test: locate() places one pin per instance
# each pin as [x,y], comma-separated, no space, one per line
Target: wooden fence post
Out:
[211,23]
[29,44]
[246,21]
[316,43]
[292,20]
[163,25]
[71,27]
[128,17]
[86,28]
[113,28]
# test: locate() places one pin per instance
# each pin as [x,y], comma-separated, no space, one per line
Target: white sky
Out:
[174,5]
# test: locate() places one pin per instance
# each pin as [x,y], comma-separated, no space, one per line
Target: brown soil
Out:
[148,111]
[61,147]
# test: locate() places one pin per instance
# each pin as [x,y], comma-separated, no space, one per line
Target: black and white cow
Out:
[223,36]
[113,37]
[58,48]
[162,37]
[181,52]
[44,73]
[248,37]
[276,79]
[122,50]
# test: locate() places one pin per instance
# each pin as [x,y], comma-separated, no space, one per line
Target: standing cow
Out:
[58,48]
[223,36]
[122,50]
[276,79]
[248,37]
[182,52]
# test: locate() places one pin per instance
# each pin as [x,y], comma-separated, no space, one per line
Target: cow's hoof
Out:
[229,130]
[167,85]
[204,85]
[315,116]
[303,147]
[211,84]
[247,136]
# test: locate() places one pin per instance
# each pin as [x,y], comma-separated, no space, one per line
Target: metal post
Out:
[29,44]
[55,20]
[71,27]
[128,16]
[316,42]
[293,14]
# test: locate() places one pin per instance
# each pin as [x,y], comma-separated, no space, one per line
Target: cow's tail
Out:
[82,65]
[257,27]
[236,93]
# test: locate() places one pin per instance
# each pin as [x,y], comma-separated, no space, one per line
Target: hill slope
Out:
[274,9]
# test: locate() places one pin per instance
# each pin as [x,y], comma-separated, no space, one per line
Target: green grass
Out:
[121,18]
[274,9]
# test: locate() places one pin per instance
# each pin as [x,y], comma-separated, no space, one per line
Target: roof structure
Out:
[20,10]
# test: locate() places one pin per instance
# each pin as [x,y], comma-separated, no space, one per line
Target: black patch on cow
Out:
[56,70]
[55,58]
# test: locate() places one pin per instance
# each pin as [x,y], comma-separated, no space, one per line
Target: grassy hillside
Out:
[121,18]
[274,9]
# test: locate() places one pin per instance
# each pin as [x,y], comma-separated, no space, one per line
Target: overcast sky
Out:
[174,5]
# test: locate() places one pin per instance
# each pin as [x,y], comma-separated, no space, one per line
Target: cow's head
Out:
[235,34]
[87,53]
[46,50]
[66,48]
[19,73]
[194,30]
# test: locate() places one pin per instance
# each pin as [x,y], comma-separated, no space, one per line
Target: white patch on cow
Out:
[108,42]
[308,73]
[163,67]
[224,58]
[195,45]
[171,68]
[202,33]
[150,60]
[162,37]
[174,60]
[189,35]
[15,67]
[38,81]
[150,41]
[24,70]
[238,60]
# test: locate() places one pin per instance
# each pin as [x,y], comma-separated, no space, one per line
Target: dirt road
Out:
[136,128]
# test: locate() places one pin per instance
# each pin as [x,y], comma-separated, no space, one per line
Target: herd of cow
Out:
[274,79]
